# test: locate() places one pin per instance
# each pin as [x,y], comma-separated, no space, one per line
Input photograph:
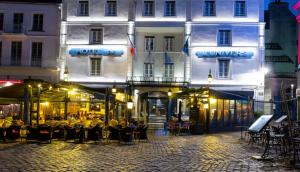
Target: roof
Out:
[33,1]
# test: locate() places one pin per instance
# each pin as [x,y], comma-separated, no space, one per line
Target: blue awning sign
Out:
[228,54]
[90,51]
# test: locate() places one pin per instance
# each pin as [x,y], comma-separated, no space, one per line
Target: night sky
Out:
[290,1]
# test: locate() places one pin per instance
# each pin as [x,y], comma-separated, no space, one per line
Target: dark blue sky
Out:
[290,1]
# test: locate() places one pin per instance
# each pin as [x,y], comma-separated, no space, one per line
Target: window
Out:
[169,43]
[36,54]
[169,70]
[83,9]
[95,69]
[224,37]
[224,68]
[148,8]
[209,8]
[1,21]
[170,8]
[148,70]
[111,8]
[37,23]
[96,36]
[16,53]
[18,22]
[149,43]
[240,8]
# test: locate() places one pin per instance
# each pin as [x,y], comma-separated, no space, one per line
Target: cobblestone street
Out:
[215,152]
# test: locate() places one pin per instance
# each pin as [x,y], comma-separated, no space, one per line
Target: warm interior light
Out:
[206,106]
[212,100]
[50,87]
[114,89]
[129,104]
[39,85]
[7,84]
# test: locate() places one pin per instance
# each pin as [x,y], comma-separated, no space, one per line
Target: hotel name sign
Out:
[94,51]
[225,54]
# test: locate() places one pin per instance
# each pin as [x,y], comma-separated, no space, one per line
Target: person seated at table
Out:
[133,124]
[113,123]
[123,123]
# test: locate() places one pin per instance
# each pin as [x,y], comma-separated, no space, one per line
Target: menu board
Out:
[260,123]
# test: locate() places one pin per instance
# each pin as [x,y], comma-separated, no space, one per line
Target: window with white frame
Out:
[169,43]
[95,66]
[36,54]
[96,36]
[83,8]
[18,22]
[224,37]
[1,20]
[111,8]
[240,8]
[169,70]
[224,65]
[148,70]
[16,53]
[149,43]
[170,8]
[209,8]
[37,22]
[148,8]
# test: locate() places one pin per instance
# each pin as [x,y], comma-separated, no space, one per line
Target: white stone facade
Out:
[188,21]
[45,67]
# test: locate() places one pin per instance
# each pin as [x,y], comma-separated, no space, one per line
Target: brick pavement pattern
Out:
[214,152]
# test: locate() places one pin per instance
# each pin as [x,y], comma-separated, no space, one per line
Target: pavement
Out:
[213,152]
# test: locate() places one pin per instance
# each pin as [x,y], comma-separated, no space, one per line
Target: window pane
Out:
[224,68]
[96,36]
[83,8]
[240,8]
[18,22]
[16,53]
[36,54]
[111,8]
[148,70]
[149,43]
[95,66]
[37,22]
[170,8]
[0,52]
[225,37]
[209,8]
[148,8]
[169,43]
[1,21]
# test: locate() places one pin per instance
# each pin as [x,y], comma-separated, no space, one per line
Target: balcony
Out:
[177,74]
[14,29]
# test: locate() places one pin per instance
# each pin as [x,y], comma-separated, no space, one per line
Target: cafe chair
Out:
[142,133]
[44,133]
[126,135]
[113,133]
[58,132]
[32,133]
[13,132]
[95,133]
[70,133]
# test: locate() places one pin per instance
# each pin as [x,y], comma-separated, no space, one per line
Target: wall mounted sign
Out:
[99,51]
[229,54]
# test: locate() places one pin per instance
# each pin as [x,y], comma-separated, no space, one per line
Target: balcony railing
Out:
[14,29]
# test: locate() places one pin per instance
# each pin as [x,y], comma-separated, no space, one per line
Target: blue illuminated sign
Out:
[100,51]
[228,54]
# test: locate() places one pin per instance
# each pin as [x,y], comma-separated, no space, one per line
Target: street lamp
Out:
[292,90]
[114,89]
[209,77]
[66,74]
[169,92]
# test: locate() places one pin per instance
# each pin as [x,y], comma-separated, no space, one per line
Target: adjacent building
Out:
[281,56]
[29,40]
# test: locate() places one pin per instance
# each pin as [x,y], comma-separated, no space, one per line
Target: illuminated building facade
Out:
[156,46]
[29,39]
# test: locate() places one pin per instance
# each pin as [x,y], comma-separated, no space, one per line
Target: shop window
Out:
[170,8]
[111,8]
[96,36]
[224,68]
[149,43]
[1,21]
[148,70]
[209,8]
[169,43]
[37,23]
[95,66]
[224,38]
[148,8]
[83,8]
[36,54]
[18,22]
[16,53]
[240,8]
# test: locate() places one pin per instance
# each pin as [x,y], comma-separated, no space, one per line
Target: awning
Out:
[232,95]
